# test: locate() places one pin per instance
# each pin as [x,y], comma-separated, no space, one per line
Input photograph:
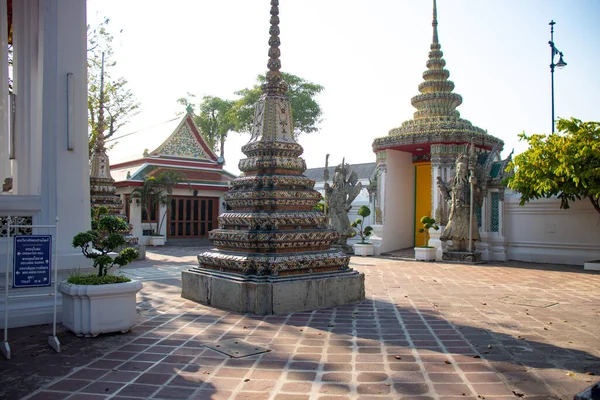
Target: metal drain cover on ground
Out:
[522,301]
[237,348]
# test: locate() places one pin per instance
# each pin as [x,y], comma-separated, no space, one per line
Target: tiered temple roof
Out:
[184,152]
[272,229]
[436,119]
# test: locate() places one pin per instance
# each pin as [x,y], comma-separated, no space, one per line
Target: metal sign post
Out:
[33,259]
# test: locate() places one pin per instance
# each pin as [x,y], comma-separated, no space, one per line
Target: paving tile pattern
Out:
[426,331]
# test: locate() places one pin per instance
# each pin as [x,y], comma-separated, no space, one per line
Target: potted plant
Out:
[363,248]
[427,252]
[147,196]
[165,183]
[101,302]
[157,190]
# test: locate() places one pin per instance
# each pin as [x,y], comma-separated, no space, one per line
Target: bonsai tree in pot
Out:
[363,247]
[105,236]
[427,252]
[101,302]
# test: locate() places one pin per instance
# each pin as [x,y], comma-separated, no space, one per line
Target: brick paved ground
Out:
[426,331]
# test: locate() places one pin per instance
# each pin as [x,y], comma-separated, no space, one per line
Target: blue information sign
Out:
[32,258]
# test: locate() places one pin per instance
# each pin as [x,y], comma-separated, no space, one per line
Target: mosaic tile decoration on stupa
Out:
[272,229]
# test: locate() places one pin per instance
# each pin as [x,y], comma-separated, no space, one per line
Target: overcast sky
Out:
[368,54]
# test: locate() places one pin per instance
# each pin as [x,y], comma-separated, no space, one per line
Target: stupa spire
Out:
[435,23]
[273,252]
[436,117]
[99,145]
[437,97]
[274,84]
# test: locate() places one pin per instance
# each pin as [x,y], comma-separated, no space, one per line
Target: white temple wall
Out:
[50,41]
[540,231]
[399,210]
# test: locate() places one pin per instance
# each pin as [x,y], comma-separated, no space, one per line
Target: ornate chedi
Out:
[272,245]
[436,119]
[424,150]
[102,185]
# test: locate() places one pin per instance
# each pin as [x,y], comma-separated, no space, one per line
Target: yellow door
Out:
[422,198]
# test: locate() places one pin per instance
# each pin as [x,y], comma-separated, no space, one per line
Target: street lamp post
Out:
[560,64]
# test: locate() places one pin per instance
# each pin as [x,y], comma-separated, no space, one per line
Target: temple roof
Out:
[184,151]
[436,119]
[185,142]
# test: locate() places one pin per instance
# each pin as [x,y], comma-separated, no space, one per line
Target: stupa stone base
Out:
[264,295]
[473,257]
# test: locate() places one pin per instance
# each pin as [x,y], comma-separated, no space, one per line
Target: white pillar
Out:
[135,219]
[28,65]
[65,189]
[5,171]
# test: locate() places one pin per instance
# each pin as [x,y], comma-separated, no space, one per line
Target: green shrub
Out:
[428,223]
[105,236]
[93,279]
[363,231]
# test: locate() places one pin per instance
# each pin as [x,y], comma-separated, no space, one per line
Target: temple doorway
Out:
[422,198]
[192,217]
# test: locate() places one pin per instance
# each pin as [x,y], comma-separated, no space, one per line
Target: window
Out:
[495,212]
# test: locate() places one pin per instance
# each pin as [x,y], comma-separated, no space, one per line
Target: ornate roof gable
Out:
[185,142]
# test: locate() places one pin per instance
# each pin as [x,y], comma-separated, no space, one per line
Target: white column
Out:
[5,171]
[65,173]
[28,65]
[135,219]
[162,217]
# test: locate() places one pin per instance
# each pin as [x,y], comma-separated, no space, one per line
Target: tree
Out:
[214,120]
[306,111]
[564,164]
[146,195]
[219,116]
[119,101]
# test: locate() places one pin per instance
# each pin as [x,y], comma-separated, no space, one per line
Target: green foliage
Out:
[119,101]
[306,111]
[214,121]
[105,237]
[564,164]
[78,279]
[320,206]
[428,223]
[217,117]
[363,231]
[160,188]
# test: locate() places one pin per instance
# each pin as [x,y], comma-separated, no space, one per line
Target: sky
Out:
[368,54]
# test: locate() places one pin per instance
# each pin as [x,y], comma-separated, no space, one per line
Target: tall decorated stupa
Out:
[273,252]
[102,185]
[413,156]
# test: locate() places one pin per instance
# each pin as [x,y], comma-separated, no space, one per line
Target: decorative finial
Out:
[274,84]
[435,23]
[100,125]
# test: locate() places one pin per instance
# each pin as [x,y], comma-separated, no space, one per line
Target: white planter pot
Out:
[157,240]
[425,253]
[89,310]
[363,249]
[592,265]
